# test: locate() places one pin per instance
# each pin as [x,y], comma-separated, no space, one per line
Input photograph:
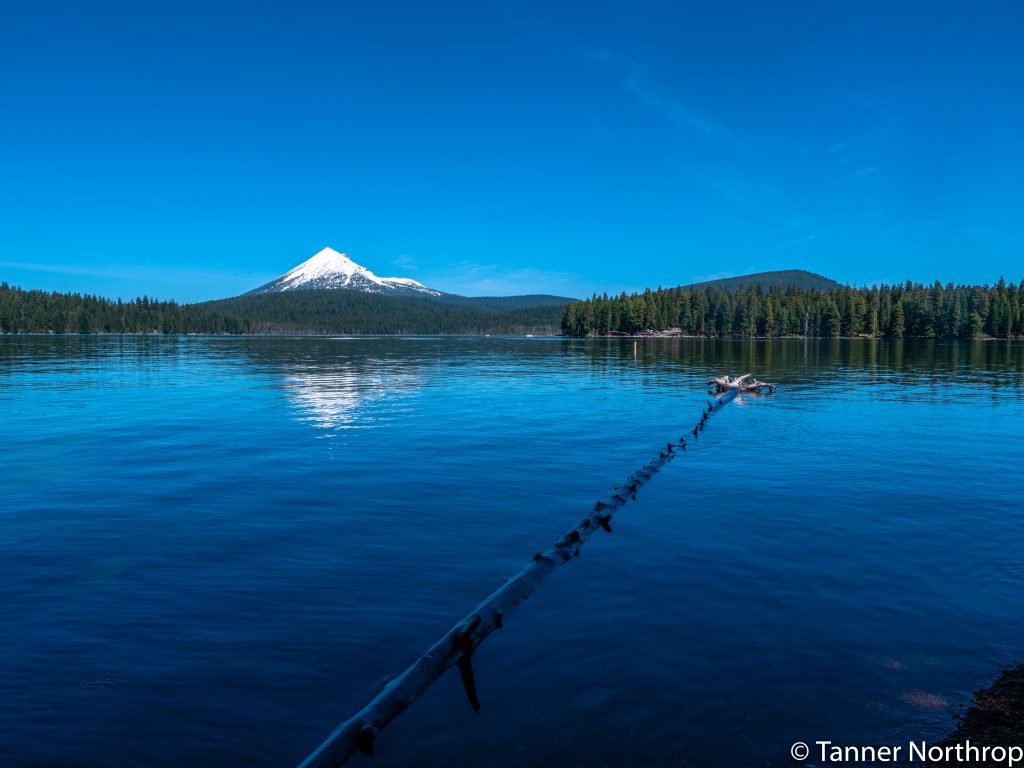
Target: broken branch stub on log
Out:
[457,646]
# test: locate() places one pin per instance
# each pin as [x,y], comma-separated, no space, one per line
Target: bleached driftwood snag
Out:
[457,646]
[740,383]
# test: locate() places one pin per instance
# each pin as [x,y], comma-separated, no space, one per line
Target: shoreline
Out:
[635,337]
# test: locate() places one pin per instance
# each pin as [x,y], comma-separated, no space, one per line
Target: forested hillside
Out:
[798,278]
[910,309]
[335,311]
[42,312]
[324,311]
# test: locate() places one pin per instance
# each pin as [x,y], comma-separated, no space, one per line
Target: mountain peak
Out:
[330,269]
[329,255]
[325,261]
[328,252]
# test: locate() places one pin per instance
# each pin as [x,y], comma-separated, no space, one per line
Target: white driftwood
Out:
[724,384]
[456,648]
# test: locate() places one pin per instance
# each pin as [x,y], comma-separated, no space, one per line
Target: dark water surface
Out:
[213,550]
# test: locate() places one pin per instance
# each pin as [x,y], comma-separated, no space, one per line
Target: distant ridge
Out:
[797,278]
[505,302]
[365,312]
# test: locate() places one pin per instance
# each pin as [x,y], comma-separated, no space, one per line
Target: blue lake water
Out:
[213,550]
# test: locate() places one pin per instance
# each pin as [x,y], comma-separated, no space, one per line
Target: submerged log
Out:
[456,648]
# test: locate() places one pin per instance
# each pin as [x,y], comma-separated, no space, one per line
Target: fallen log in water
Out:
[740,384]
[456,648]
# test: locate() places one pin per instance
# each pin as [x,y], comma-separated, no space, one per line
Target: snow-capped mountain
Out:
[330,269]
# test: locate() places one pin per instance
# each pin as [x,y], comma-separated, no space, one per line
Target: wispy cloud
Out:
[405,261]
[675,111]
[637,80]
[773,234]
[631,76]
[138,272]
[862,154]
[791,243]
[762,200]
[726,189]
[977,231]
[476,279]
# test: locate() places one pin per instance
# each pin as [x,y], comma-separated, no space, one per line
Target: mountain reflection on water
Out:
[331,397]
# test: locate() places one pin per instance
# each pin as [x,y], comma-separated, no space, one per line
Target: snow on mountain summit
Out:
[331,270]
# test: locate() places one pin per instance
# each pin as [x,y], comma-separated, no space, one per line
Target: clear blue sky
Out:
[193,151]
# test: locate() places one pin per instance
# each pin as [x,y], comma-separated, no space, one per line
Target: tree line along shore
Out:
[297,312]
[893,311]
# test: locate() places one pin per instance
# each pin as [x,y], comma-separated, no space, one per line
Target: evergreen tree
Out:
[898,321]
[896,311]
